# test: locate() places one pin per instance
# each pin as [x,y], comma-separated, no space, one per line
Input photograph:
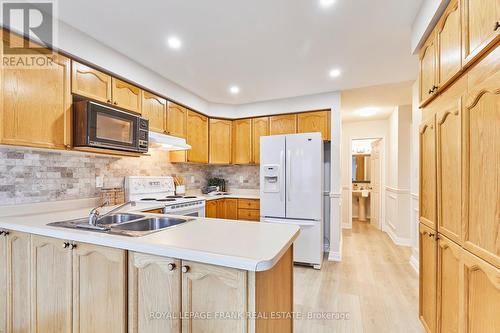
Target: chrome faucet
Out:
[95,216]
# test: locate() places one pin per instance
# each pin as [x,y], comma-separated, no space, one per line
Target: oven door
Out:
[112,128]
[186,211]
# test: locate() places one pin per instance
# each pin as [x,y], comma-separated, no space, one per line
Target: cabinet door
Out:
[213,289]
[481,137]
[221,208]
[449,44]
[449,170]
[480,27]
[231,209]
[89,82]
[428,69]
[51,285]
[318,121]
[242,141]
[34,116]
[176,120]
[428,173]
[211,209]
[126,95]
[154,108]
[154,290]
[3,283]
[260,127]
[197,137]
[449,286]
[18,283]
[99,289]
[220,141]
[428,278]
[481,298]
[285,124]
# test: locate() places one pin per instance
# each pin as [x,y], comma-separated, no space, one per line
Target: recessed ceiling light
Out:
[326,3]
[174,43]
[234,90]
[335,72]
[367,112]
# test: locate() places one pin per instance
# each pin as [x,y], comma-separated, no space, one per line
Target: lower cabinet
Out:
[448,285]
[211,208]
[428,278]
[233,209]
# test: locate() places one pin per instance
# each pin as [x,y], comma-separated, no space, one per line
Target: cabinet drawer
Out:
[248,214]
[249,203]
[154,211]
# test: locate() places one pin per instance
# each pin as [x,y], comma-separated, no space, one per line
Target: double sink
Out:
[125,224]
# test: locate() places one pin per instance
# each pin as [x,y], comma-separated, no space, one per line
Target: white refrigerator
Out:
[291,190]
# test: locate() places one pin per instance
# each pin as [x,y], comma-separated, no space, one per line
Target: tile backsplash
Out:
[36,175]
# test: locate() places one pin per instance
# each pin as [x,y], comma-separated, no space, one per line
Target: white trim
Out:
[334,255]
[398,240]
[397,190]
[414,196]
[414,263]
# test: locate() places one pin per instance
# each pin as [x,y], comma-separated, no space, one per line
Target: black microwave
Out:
[100,126]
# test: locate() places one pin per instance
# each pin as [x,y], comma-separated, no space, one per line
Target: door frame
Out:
[382,179]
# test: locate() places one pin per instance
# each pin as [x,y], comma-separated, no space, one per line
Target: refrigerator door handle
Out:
[282,190]
[288,173]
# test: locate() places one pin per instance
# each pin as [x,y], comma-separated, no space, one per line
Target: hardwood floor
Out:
[374,284]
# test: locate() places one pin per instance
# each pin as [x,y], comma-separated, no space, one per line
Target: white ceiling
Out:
[269,48]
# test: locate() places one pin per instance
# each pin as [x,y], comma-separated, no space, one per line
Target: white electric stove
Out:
[161,190]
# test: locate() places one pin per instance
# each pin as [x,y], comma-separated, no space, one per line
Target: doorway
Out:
[367,179]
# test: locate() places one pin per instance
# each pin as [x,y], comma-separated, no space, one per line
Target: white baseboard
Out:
[414,263]
[398,240]
[334,256]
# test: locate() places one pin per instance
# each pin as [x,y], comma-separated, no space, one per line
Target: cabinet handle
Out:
[115,103]
[185,269]
[4,233]
[171,266]
[434,88]
[109,101]
[73,246]
[65,245]
[497,26]
[431,235]
[430,91]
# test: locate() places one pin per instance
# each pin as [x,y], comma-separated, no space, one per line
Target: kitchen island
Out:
[206,275]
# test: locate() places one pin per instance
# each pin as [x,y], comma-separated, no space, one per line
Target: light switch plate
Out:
[99,181]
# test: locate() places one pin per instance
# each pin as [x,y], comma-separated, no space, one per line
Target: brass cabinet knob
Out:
[185,269]
[171,266]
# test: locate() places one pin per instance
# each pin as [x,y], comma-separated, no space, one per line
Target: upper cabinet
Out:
[91,83]
[318,121]
[154,108]
[197,137]
[126,95]
[242,141]
[449,51]
[260,127]
[481,27]
[283,124]
[428,69]
[176,120]
[36,106]
[220,141]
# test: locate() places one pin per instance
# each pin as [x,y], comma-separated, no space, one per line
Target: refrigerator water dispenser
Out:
[271,178]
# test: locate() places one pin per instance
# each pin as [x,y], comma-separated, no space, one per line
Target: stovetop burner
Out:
[148,199]
[174,196]
[189,197]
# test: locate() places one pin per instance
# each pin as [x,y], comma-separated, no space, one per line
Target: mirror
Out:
[361,168]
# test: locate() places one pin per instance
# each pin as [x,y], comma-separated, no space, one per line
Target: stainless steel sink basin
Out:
[118,218]
[148,225]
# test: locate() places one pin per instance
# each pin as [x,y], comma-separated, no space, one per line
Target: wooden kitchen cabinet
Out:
[99,289]
[89,82]
[449,167]
[211,208]
[283,124]
[220,141]
[481,163]
[428,173]
[3,282]
[449,286]
[481,299]
[428,278]
[213,289]
[260,127]
[197,137]
[480,26]
[51,285]
[126,95]
[317,121]
[33,116]
[227,209]
[154,108]
[449,47]
[242,141]
[427,58]
[176,120]
[249,209]
[154,287]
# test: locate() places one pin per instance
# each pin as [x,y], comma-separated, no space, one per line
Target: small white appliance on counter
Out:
[161,190]
[291,190]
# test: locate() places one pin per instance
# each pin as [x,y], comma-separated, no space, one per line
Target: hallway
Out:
[374,284]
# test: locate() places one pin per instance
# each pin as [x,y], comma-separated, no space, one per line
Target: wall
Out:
[36,175]
[429,13]
[414,177]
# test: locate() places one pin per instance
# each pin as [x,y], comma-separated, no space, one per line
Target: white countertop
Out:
[245,245]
